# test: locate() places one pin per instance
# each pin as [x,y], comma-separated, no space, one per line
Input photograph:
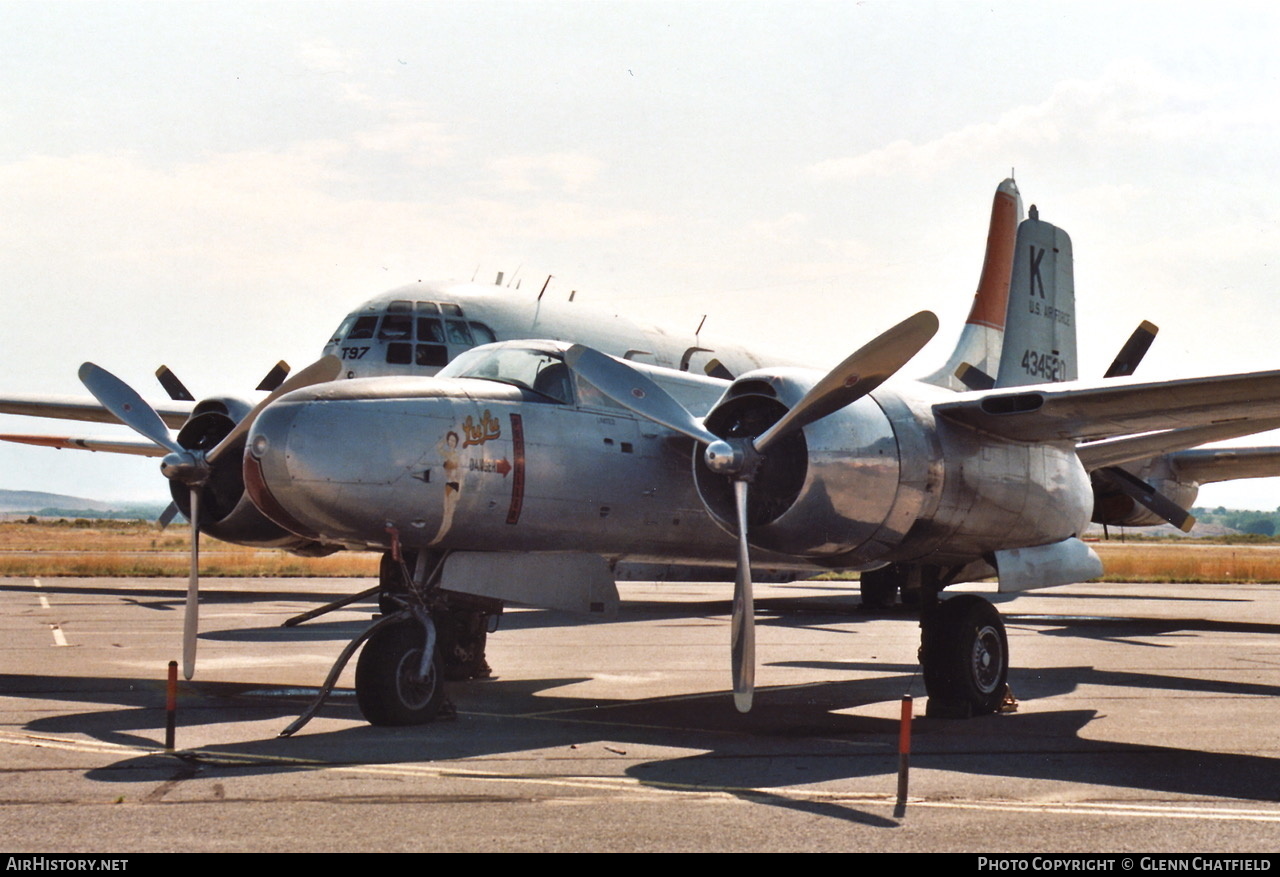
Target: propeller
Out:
[1124,365]
[739,458]
[1126,361]
[190,467]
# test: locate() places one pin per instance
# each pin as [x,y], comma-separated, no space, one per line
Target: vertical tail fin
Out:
[1040,323]
[977,353]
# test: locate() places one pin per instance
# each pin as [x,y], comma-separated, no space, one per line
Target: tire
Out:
[965,654]
[879,588]
[387,689]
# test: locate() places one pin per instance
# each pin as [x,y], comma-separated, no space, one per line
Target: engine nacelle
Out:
[883,480]
[226,512]
[828,493]
[1118,509]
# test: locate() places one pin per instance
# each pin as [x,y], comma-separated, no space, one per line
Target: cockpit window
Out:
[459,333]
[396,327]
[429,329]
[400,307]
[451,310]
[343,329]
[483,334]
[364,328]
[542,371]
[428,307]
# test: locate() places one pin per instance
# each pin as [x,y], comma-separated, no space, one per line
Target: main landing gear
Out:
[965,655]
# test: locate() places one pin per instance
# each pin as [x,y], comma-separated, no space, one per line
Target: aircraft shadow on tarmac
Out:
[795,735]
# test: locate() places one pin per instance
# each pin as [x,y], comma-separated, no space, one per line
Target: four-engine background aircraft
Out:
[576,463]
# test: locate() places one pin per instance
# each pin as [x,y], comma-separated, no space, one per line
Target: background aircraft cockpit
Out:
[405,337]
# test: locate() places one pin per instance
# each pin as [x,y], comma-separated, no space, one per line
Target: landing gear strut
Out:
[965,654]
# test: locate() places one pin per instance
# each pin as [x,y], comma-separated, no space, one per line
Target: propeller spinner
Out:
[739,458]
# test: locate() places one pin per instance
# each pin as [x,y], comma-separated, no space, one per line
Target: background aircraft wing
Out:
[86,408]
[1207,465]
[110,446]
[1058,412]
[1115,451]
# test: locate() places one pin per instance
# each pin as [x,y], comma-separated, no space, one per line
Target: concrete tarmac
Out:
[1147,722]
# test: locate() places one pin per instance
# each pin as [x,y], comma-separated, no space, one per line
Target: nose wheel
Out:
[394,684]
[965,654]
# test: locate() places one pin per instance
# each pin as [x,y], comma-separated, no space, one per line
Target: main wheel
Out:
[879,588]
[965,654]
[388,688]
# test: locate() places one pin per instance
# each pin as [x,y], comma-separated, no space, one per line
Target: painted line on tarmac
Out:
[632,786]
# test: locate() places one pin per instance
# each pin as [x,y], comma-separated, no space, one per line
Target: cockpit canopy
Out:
[533,366]
[539,366]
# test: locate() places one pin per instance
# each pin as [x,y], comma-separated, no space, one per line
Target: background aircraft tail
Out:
[978,351]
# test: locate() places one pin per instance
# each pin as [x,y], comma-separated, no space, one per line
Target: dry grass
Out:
[113,548]
[129,549]
[1189,562]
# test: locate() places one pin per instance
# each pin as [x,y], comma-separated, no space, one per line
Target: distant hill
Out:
[35,502]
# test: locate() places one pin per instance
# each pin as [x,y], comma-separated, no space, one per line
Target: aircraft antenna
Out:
[698,331]
[475,272]
[572,293]
[544,286]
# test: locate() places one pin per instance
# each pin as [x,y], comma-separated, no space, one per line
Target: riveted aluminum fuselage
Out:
[476,465]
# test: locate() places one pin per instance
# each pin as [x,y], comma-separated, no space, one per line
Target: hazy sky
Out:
[213,185]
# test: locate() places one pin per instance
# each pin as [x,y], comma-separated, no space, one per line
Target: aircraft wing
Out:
[110,446]
[1207,465]
[1115,451]
[85,408]
[1078,411]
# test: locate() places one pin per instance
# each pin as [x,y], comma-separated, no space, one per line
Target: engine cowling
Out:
[226,511]
[822,493]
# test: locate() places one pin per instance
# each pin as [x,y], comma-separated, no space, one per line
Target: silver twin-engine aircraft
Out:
[541,471]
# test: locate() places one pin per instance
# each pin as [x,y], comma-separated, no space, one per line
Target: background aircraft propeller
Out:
[1117,479]
[190,467]
[739,458]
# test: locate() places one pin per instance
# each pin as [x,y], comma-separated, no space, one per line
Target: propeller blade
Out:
[191,621]
[743,634]
[273,378]
[128,407]
[166,517]
[1146,496]
[634,391]
[1126,361]
[177,391]
[867,368]
[321,371]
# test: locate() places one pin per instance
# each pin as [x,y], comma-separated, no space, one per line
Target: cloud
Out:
[1130,103]
[567,171]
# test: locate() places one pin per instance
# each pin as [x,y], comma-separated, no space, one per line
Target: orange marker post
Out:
[171,706]
[904,755]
